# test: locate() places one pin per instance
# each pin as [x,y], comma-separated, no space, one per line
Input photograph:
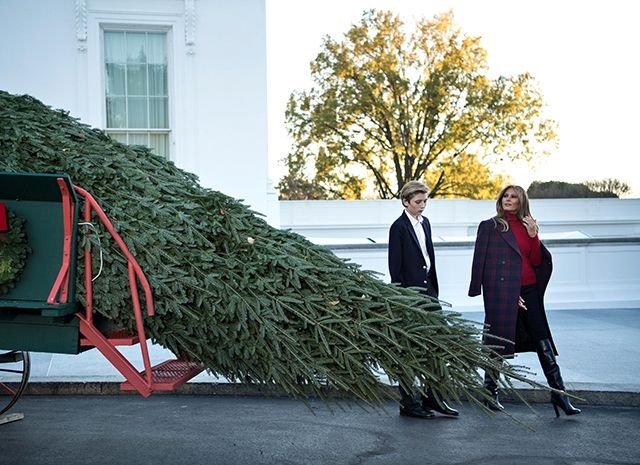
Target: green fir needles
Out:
[253,303]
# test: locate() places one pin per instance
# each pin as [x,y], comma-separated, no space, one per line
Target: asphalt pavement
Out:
[210,430]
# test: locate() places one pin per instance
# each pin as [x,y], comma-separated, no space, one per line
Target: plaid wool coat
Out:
[497,271]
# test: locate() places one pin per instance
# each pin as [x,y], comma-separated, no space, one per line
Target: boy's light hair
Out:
[410,189]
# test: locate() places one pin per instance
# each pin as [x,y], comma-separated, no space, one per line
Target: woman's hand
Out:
[521,303]
[531,225]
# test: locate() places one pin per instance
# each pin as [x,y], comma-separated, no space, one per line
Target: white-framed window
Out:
[136,88]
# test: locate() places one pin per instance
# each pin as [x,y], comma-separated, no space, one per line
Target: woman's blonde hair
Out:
[522,211]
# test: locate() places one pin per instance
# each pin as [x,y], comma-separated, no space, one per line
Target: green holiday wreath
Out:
[14,249]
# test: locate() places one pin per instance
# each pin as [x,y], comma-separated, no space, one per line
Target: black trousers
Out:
[534,315]
[407,397]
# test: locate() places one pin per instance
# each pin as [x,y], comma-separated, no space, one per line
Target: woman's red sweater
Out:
[529,249]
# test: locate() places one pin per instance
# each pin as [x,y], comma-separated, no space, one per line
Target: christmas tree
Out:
[251,302]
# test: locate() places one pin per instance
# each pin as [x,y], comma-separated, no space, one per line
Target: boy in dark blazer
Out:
[412,263]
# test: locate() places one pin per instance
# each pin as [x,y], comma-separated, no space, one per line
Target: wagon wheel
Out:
[14,375]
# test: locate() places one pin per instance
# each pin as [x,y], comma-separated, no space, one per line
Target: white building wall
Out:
[231,106]
[52,49]
[38,52]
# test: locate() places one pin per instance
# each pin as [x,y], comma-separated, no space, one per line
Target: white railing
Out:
[456,218]
[595,244]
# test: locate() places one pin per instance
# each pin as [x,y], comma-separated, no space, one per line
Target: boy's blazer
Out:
[407,266]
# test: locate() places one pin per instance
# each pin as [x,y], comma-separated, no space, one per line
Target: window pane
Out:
[156,48]
[160,144]
[158,114]
[137,111]
[115,80]
[114,47]
[136,79]
[139,139]
[136,47]
[116,112]
[136,88]
[119,136]
[158,80]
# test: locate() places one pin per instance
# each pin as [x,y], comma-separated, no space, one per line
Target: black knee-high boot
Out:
[552,373]
[491,385]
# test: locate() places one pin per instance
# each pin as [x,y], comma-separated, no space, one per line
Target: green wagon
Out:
[40,310]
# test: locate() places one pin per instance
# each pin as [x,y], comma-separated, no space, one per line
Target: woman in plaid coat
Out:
[512,268]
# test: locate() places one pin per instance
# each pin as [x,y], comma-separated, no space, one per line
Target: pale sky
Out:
[584,55]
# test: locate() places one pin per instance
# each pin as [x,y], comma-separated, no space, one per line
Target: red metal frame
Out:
[169,375]
[91,206]
[7,389]
[141,384]
[60,290]
[136,276]
[159,378]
